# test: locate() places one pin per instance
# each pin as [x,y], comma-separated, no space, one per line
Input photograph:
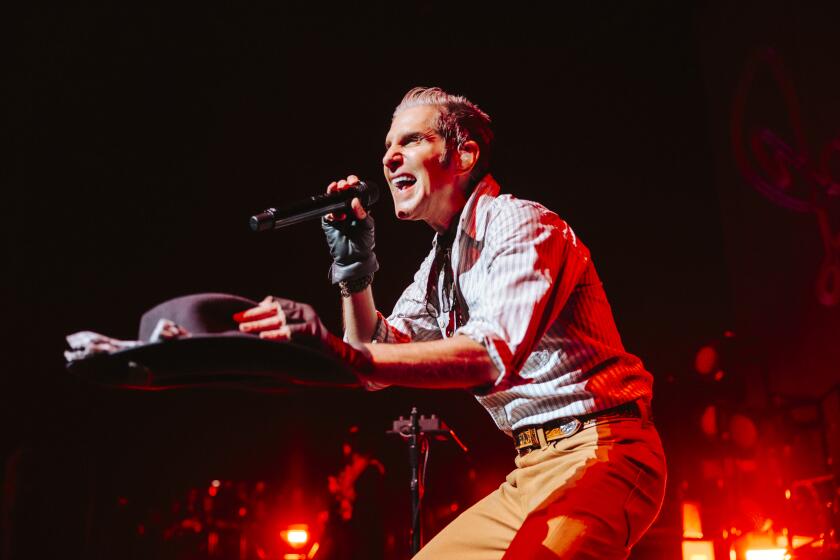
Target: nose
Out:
[392,159]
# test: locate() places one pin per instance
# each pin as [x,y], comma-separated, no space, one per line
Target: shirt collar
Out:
[473,219]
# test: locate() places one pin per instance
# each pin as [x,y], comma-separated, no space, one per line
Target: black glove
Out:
[283,320]
[351,243]
[306,328]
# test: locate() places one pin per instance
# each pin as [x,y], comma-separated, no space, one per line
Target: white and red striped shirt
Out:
[526,289]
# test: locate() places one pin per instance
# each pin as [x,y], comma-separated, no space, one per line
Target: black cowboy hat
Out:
[216,353]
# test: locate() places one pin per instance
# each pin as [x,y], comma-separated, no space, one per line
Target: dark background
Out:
[143,138]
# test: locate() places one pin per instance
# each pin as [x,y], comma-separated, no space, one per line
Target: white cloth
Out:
[84,344]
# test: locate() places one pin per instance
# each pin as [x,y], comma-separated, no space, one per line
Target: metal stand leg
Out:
[414,464]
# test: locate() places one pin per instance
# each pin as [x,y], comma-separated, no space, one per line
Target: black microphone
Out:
[315,207]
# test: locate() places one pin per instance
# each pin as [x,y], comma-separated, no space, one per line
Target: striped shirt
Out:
[525,288]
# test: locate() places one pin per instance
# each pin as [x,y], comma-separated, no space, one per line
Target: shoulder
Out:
[508,206]
[508,215]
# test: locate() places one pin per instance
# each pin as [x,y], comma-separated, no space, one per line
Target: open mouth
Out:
[403,181]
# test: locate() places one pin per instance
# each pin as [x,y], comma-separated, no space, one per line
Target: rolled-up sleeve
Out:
[533,263]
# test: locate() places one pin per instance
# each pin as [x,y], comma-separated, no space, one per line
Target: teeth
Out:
[402,180]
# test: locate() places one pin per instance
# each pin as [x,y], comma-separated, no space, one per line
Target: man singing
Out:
[507,305]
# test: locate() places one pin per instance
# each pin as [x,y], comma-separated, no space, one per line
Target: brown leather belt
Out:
[536,437]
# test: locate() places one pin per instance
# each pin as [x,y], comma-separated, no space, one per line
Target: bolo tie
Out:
[447,302]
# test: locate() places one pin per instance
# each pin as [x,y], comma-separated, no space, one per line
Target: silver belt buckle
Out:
[565,430]
[571,427]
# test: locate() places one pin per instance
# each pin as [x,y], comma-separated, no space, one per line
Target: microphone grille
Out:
[369,192]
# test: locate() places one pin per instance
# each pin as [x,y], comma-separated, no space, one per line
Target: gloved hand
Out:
[350,238]
[287,320]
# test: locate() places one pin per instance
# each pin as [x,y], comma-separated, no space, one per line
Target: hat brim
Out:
[231,359]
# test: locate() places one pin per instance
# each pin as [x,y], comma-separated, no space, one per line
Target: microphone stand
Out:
[414,467]
[415,430]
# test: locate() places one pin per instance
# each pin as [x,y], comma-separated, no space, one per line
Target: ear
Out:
[467,156]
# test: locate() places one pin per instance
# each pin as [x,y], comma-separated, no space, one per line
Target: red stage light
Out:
[761,546]
[296,535]
[706,360]
[767,554]
[693,545]
[698,550]
[692,527]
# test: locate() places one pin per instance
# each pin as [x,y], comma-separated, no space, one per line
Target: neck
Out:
[445,238]
[453,205]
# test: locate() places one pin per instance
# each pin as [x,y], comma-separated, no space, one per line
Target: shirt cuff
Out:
[498,352]
[380,332]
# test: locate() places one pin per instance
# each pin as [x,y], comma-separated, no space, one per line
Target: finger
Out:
[280,334]
[332,187]
[264,324]
[352,180]
[358,209]
[281,307]
[261,311]
[266,307]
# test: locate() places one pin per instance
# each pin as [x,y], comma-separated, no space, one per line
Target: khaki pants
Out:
[591,495]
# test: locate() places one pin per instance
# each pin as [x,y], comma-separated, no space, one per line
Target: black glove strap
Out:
[350,287]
